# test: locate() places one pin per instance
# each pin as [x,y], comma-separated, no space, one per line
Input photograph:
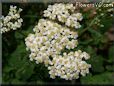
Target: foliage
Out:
[17,68]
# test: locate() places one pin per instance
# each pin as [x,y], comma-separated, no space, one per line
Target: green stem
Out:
[22,34]
[92,22]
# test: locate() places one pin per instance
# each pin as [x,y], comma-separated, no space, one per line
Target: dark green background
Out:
[18,69]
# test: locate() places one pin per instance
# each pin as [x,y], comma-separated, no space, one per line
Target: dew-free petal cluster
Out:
[64,13]
[69,66]
[51,38]
[12,21]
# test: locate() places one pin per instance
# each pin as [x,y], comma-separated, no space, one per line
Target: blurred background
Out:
[96,37]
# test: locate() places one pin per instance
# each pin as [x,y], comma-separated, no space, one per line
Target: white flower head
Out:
[69,66]
[50,38]
[64,13]
[12,21]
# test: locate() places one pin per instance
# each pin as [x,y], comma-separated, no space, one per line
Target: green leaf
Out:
[90,50]
[40,82]
[18,57]
[25,71]
[107,24]
[86,42]
[29,30]
[20,63]
[111,54]
[96,36]
[7,69]
[94,33]
[96,63]
[100,79]
[18,35]
[110,67]
[15,81]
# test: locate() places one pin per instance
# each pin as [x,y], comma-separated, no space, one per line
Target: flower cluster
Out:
[69,66]
[12,20]
[64,13]
[51,38]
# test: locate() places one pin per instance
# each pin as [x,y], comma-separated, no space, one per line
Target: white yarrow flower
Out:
[51,38]
[6,22]
[61,12]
